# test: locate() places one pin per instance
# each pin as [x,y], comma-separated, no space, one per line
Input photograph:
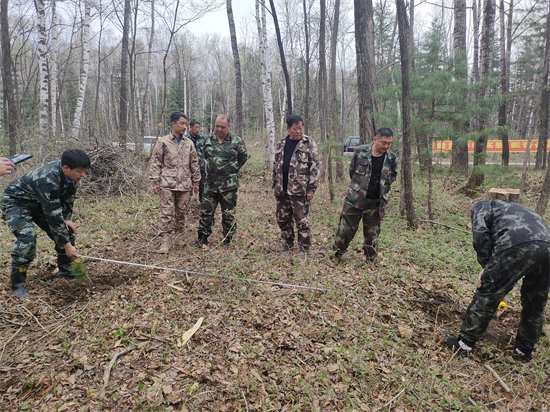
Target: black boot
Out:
[18,279]
[203,240]
[64,265]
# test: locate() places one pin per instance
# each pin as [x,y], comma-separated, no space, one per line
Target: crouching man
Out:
[45,197]
[512,242]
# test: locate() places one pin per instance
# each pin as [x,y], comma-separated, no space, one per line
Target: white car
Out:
[148,143]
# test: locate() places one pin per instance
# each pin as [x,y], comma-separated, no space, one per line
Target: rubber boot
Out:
[18,279]
[202,242]
[165,248]
[64,266]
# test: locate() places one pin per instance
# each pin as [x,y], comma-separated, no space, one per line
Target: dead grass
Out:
[260,348]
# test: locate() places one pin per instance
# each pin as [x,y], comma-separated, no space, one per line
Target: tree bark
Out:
[543,125]
[123,100]
[283,61]
[308,61]
[406,168]
[333,93]
[145,101]
[10,110]
[540,162]
[84,71]
[364,49]
[238,78]
[460,148]
[503,87]
[266,82]
[53,69]
[44,125]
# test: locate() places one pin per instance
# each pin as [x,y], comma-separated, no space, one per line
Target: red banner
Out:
[445,146]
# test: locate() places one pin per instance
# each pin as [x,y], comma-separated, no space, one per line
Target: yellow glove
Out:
[502,306]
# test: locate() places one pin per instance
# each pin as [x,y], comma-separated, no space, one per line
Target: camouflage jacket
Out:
[174,166]
[303,172]
[360,170]
[223,162]
[198,141]
[45,193]
[498,225]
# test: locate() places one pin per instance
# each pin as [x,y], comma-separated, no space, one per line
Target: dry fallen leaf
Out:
[187,335]
[405,332]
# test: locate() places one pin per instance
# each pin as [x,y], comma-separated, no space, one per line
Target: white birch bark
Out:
[43,72]
[266,82]
[84,71]
[53,68]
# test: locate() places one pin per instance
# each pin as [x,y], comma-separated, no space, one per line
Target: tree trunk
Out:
[266,82]
[503,87]
[84,72]
[406,167]
[53,68]
[333,94]
[44,125]
[123,100]
[10,110]
[308,61]
[460,148]
[540,162]
[488,33]
[145,101]
[543,125]
[364,49]
[283,61]
[238,79]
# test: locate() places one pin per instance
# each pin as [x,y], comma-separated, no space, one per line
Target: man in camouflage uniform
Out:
[295,179]
[45,197]
[174,172]
[512,242]
[224,155]
[198,140]
[372,170]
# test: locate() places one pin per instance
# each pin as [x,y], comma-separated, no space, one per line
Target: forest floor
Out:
[263,347]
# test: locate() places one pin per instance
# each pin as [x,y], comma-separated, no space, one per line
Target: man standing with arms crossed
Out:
[224,155]
[174,172]
[373,169]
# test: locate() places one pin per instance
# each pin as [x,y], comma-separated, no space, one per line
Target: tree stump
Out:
[511,195]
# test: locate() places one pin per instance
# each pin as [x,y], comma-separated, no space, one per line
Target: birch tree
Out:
[53,68]
[265,65]
[84,70]
[288,95]
[44,125]
[332,82]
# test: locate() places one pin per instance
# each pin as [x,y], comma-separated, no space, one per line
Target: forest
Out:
[462,84]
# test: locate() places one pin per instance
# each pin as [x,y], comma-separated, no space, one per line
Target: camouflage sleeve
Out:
[242,155]
[393,171]
[194,166]
[157,159]
[313,169]
[200,154]
[48,193]
[481,223]
[352,165]
[67,205]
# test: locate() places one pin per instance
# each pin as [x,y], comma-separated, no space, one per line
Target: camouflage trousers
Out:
[173,208]
[21,223]
[349,223]
[530,261]
[201,186]
[295,208]
[228,205]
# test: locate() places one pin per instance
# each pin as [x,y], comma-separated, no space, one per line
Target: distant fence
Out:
[495,146]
